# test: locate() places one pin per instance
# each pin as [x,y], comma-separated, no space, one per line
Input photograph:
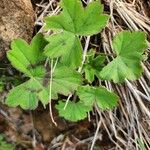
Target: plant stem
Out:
[84,53]
[81,67]
[50,90]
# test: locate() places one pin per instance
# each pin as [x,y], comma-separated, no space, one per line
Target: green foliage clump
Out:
[74,21]
[51,63]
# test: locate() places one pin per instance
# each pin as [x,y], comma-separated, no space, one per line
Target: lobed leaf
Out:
[74,111]
[99,95]
[78,20]
[26,57]
[129,48]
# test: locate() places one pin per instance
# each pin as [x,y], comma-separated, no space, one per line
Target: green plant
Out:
[63,53]
[141,144]
[4,145]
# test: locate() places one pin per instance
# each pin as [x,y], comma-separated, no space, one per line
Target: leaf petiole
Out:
[50,88]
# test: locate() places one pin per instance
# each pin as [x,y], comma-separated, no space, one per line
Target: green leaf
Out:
[68,46]
[129,48]
[25,57]
[78,20]
[93,66]
[103,98]
[74,111]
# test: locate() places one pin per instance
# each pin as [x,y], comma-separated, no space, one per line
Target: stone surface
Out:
[16,20]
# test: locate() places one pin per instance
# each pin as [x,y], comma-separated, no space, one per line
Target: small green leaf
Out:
[129,48]
[68,46]
[103,98]
[25,57]
[78,20]
[93,66]
[74,111]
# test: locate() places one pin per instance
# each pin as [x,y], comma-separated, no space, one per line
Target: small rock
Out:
[16,20]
